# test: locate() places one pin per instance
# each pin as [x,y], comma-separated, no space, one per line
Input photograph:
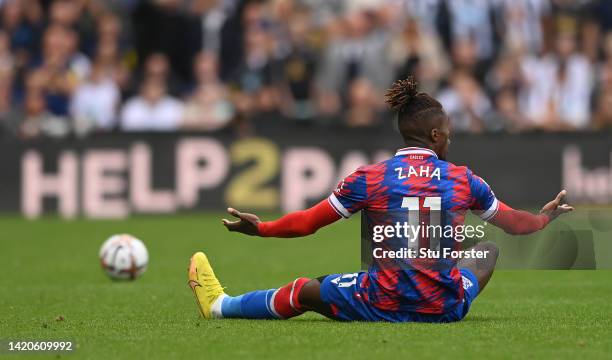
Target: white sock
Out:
[215,309]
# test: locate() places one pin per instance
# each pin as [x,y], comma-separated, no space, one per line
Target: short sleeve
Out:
[350,195]
[484,203]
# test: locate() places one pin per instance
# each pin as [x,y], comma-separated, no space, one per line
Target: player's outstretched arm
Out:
[295,224]
[519,222]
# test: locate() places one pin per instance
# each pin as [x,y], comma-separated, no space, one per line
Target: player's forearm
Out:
[518,222]
[287,226]
[300,223]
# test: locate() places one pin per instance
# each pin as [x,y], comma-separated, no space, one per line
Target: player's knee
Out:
[310,299]
[492,250]
[309,293]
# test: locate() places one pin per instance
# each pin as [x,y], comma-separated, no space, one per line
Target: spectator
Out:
[109,28]
[65,13]
[222,29]
[524,24]
[108,61]
[419,54]
[425,13]
[465,103]
[7,60]
[38,121]
[358,52]
[471,21]
[465,58]
[62,67]
[20,21]
[506,73]
[110,32]
[61,38]
[152,110]
[298,70]
[209,107]
[363,107]
[157,66]
[505,115]
[559,87]
[602,119]
[6,82]
[308,59]
[604,69]
[255,76]
[95,102]
[165,27]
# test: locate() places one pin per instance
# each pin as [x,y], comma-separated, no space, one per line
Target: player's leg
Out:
[310,298]
[280,303]
[475,275]
[291,300]
[482,268]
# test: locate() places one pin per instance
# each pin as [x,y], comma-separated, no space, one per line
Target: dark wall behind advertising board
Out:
[116,175]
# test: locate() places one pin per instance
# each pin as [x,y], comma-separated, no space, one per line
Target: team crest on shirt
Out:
[467,283]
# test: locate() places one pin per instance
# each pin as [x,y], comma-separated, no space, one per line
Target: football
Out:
[124,257]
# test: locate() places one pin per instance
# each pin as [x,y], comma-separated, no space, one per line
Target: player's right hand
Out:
[557,206]
[246,223]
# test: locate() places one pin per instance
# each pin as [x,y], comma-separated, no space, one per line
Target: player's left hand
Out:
[557,206]
[246,223]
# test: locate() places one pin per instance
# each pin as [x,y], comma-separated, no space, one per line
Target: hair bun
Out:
[401,93]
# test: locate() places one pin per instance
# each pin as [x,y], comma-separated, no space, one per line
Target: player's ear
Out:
[434,135]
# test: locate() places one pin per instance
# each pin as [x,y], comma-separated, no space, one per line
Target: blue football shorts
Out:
[341,292]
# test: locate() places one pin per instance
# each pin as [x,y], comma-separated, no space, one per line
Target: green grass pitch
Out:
[50,269]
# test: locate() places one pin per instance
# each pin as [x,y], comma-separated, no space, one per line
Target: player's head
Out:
[420,118]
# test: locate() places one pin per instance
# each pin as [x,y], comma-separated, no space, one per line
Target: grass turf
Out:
[50,269]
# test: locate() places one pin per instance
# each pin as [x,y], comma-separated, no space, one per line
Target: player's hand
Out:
[246,223]
[557,206]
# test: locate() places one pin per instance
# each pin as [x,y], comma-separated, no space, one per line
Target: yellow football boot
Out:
[204,284]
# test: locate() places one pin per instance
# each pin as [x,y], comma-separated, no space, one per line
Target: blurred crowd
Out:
[82,66]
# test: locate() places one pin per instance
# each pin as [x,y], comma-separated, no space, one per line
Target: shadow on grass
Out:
[314,320]
[486,318]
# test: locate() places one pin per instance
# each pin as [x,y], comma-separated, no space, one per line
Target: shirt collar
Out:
[415,151]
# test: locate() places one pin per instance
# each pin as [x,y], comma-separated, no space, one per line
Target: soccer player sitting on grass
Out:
[416,181]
